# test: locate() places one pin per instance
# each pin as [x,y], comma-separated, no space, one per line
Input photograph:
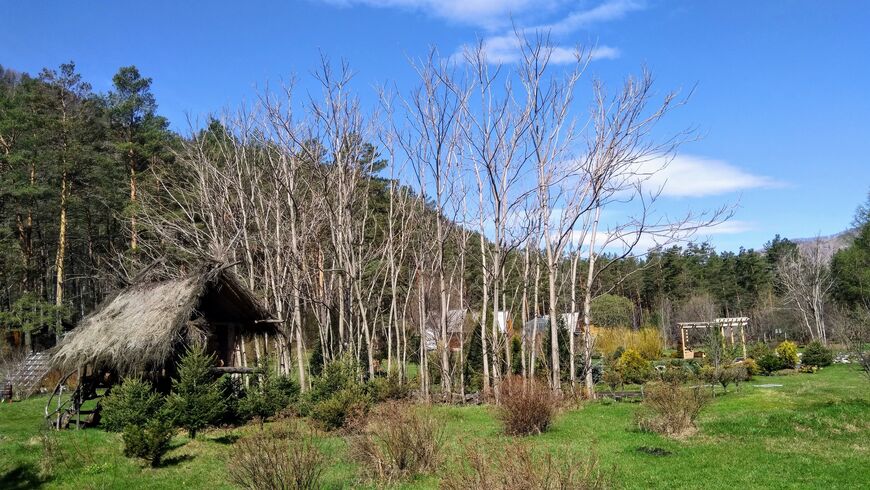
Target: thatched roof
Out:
[140,327]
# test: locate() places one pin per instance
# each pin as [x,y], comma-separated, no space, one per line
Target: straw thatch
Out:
[143,325]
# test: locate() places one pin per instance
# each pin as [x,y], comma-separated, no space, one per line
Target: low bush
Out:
[398,442]
[267,395]
[272,459]
[634,368]
[612,378]
[133,402]
[675,373]
[758,350]
[671,409]
[345,409]
[337,375]
[516,467]
[770,363]
[751,366]
[787,353]
[527,406]
[817,355]
[390,387]
[724,376]
[150,441]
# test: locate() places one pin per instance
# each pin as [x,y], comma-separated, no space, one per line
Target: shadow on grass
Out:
[175,460]
[21,477]
[226,439]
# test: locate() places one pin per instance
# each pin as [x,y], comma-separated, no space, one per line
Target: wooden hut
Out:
[146,327]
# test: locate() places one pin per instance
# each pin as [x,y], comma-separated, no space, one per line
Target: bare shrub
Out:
[527,406]
[277,459]
[400,441]
[671,409]
[517,468]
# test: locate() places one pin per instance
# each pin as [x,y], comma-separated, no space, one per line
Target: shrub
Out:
[516,467]
[752,368]
[787,353]
[338,375]
[770,363]
[196,400]
[232,391]
[133,402]
[342,410]
[817,354]
[758,350]
[671,409]
[612,342]
[612,378]
[675,374]
[649,343]
[149,441]
[399,442]
[386,388]
[527,406]
[633,368]
[267,395]
[277,459]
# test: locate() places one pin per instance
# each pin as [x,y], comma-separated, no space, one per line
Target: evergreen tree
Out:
[195,402]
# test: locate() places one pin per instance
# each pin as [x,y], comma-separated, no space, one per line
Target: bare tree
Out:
[807,280]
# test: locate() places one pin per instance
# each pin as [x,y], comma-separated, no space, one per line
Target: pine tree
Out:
[195,402]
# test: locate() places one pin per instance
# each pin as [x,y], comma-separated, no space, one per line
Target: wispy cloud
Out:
[695,176]
[617,243]
[505,48]
[489,14]
[501,18]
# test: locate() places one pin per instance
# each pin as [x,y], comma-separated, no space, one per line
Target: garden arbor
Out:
[726,326]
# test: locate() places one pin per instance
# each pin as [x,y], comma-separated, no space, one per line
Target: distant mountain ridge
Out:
[829,244]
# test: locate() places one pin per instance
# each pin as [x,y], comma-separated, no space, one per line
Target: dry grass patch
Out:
[516,467]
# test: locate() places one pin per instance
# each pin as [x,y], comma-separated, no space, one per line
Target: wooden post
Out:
[743,337]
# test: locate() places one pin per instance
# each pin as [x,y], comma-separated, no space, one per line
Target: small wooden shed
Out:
[146,326]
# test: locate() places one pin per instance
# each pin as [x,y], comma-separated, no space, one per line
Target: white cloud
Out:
[495,15]
[506,49]
[694,176]
[484,13]
[617,243]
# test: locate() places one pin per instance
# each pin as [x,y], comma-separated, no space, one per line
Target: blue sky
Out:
[781,87]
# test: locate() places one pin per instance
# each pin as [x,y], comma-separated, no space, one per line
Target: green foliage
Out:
[390,387]
[633,368]
[267,394]
[149,441]
[340,374]
[609,310]
[133,402]
[751,366]
[196,400]
[758,350]
[851,270]
[770,363]
[342,409]
[817,355]
[788,354]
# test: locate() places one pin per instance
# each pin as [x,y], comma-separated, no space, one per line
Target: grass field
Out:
[813,432]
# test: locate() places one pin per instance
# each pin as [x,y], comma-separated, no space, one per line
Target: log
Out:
[233,370]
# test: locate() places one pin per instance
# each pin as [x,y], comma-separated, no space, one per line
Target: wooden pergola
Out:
[722,324]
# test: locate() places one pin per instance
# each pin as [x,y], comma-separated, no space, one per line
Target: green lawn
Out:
[813,432]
